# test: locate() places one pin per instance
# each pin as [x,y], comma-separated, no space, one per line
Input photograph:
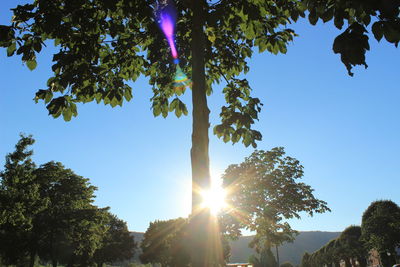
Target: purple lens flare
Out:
[167,19]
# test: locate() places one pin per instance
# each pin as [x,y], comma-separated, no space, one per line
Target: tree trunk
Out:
[363,262]
[205,242]
[277,255]
[32,257]
[54,262]
[199,151]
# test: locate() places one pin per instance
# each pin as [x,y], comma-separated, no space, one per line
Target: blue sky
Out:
[343,129]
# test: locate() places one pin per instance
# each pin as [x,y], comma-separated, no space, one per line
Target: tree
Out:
[20,202]
[117,244]
[380,229]
[263,191]
[46,211]
[163,243]
[70,228]
[101,44]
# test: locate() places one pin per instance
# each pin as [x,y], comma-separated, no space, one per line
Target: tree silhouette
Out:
[104,44]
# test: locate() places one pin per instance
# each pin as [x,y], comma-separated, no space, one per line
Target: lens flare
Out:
[181,81]
[167,24]
[166,16]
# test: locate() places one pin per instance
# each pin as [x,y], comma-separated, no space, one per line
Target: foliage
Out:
[381,228]
[117,243]
[70,227]
[48,211]
[20,202]
[381,16]
[167,243]
[352,245]
[263,192]
[163,242]
[105,44]
[305,260]
[349,247]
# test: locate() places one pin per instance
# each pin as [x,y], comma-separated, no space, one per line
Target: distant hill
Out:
[304,242]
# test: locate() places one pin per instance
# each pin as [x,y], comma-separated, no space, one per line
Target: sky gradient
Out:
[344,130]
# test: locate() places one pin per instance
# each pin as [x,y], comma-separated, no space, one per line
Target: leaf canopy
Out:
[105,44]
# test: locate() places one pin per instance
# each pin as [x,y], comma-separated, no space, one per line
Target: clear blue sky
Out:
[344,130]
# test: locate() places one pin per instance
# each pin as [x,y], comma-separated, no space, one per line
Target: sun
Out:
[214,199]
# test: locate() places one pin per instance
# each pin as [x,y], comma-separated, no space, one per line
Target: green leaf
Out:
[67,114]
[74,109]
[377,30]
[11,49]
[391,34]
[328,15]
[367,19]
[37,46]
[339,22]
[41,94]
[178,112]
[48,97]
[128,94]
[57,41]
[313,18]
[31,64]
[156,110]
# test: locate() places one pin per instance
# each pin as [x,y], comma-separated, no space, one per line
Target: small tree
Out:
[263,192]
[380,229]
